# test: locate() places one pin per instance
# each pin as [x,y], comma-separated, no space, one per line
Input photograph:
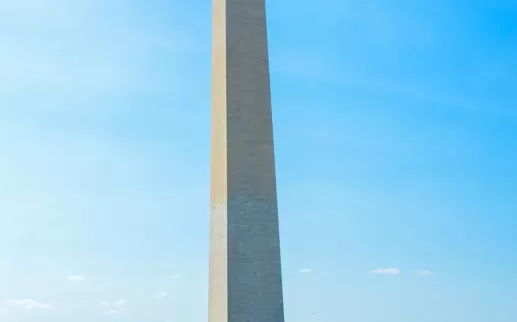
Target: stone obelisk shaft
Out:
[245,269]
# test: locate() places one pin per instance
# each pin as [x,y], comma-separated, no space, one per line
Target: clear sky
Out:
[396,138]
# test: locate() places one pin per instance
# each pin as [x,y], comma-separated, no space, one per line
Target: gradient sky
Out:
[396,138]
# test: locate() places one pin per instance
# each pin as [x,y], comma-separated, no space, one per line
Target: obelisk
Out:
[245,269]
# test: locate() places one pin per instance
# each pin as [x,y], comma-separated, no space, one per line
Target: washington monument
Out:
[245,269]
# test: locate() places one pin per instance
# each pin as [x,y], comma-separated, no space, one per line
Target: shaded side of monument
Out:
[245,268]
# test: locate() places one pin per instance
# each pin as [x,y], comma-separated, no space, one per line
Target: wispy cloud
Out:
[28,304]
[77,278]
[120,303]
[112,62]
[305,270]
[423,272]
[37,12]
[112,312]
[386,271]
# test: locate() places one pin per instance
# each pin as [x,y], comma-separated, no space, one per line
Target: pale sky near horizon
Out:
[396,144]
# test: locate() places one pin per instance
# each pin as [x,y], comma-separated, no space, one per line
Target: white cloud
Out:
[112,312]
[161,295]
[305,270]
[386,271]
[104,303]
[28,304]
[76,278]
[423,272]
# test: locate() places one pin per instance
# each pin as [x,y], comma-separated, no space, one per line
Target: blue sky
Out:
[395,125]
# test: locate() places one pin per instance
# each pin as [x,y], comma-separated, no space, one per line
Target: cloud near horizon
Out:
[27,304]
[112,312]
[386,271]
